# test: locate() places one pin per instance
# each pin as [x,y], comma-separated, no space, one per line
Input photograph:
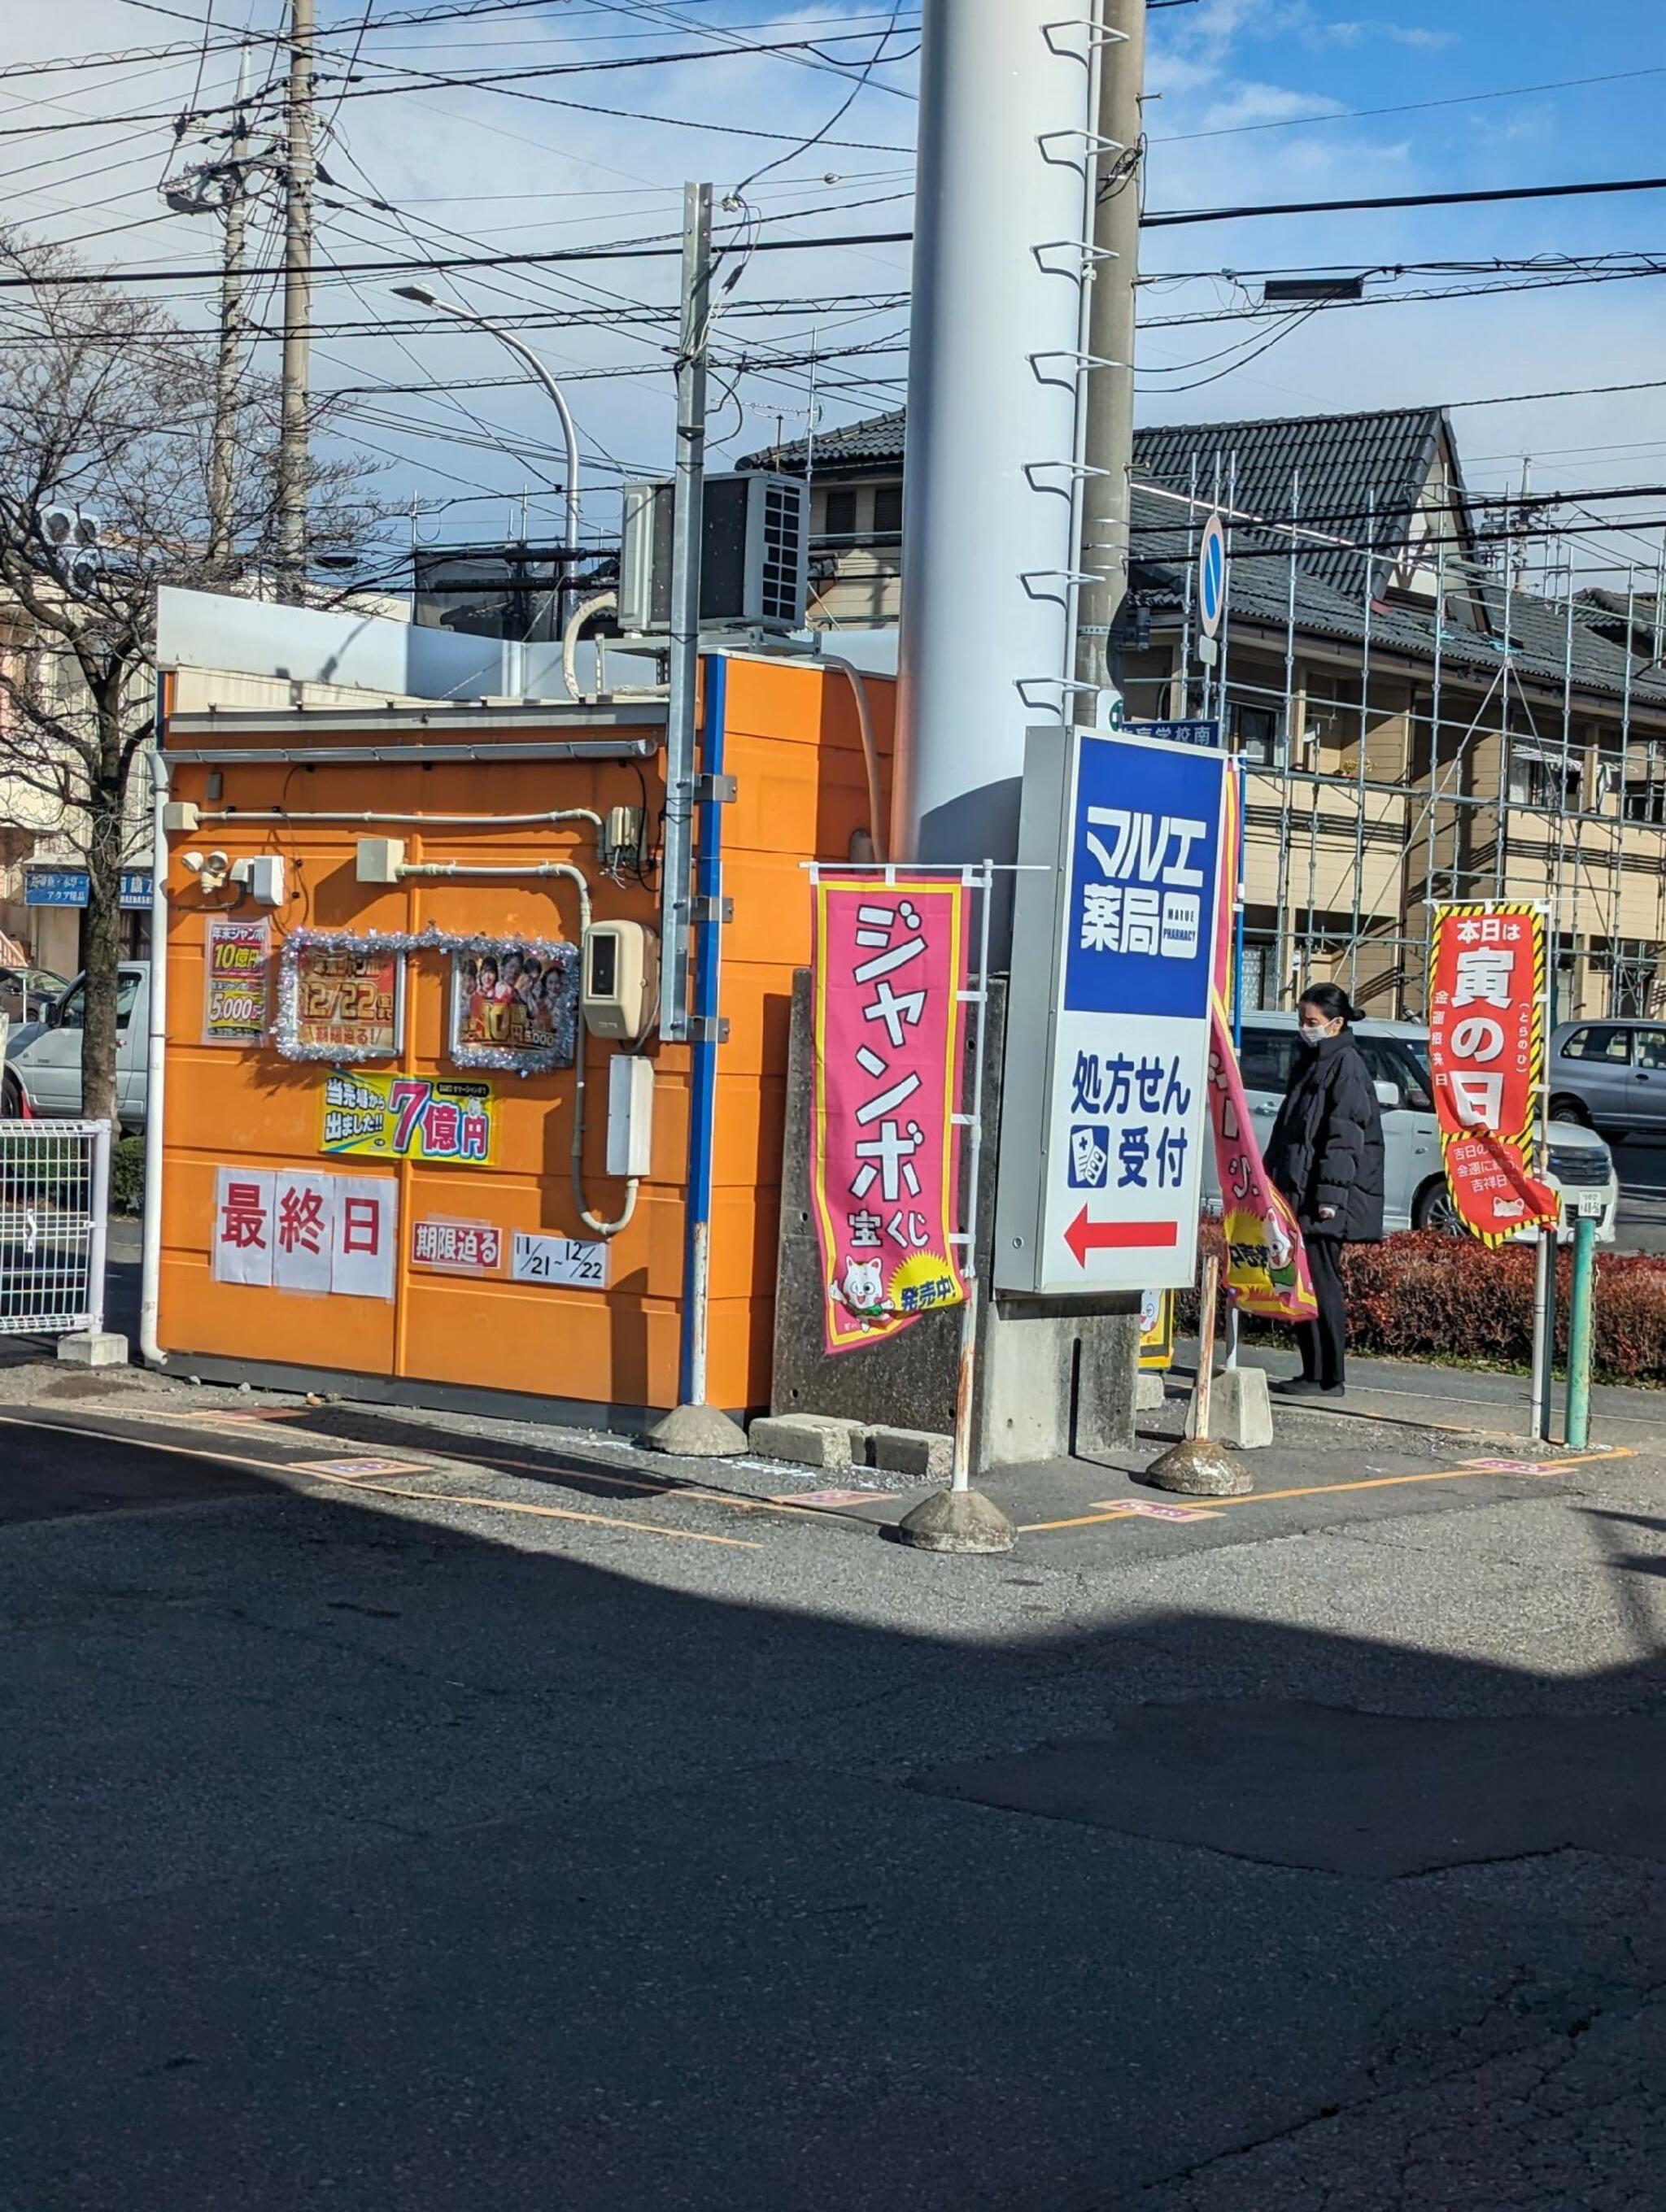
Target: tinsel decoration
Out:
[528,1060]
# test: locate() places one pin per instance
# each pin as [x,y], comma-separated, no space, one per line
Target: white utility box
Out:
[621,979]
[379,860]
[629,1115]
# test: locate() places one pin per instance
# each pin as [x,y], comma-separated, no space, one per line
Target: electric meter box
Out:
[621,979]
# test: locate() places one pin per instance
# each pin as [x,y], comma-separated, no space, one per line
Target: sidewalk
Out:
[1454,1399]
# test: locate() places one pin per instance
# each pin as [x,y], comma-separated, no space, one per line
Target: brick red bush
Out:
[1421,1295]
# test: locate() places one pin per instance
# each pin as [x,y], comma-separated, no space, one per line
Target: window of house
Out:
[1633,966]
[888,511]
[839,514]
[1258,974]
[1644,800]
[1540,779]
[1256,732]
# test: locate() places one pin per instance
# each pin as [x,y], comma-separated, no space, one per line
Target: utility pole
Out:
[299,172]
[1108,440]
[687,515]
[222,471]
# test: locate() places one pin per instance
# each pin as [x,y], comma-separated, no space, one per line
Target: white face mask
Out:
[1313,1032]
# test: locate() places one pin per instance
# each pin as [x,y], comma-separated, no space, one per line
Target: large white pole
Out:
[987,540]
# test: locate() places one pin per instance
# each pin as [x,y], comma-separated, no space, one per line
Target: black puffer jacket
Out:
[1326,1148]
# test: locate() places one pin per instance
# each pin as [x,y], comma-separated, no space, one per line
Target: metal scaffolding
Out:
[1347,856]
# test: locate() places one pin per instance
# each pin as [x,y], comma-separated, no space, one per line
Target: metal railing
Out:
[54,1208]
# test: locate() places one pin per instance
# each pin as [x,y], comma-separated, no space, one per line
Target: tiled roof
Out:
[876,442]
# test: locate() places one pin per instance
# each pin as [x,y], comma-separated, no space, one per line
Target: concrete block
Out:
[922,1453]
[1240,1410]
[1198,1468]
[1149,1395]
[98,1347]
[818,1440]
[958,1521]
[698,1433]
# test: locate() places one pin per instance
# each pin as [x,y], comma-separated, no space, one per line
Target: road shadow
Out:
[362,1854]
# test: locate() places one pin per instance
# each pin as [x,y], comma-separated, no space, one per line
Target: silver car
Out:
[1414,1184]
[1610,1075]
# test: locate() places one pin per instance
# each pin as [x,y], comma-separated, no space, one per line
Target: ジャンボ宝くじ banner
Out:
[888,968]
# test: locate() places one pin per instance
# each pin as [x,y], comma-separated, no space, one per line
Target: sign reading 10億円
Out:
[1105,1108]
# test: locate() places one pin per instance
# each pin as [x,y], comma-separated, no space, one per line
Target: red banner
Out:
[1487,994]
[1266,1269]
[888,970]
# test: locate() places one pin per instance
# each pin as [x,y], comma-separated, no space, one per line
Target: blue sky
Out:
[513,173]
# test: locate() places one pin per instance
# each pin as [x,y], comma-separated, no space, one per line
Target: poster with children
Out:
[514,1004]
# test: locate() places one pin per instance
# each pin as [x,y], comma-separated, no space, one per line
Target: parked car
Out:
[1415,1193]
[1610,1075]
[43,1059]
[25,994]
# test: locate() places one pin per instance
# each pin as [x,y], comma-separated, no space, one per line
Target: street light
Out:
[424,298]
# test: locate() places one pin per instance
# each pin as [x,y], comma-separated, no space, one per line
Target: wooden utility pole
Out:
[1109,446]
[299,173]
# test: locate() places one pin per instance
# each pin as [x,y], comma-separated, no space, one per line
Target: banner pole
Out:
[1543,1331]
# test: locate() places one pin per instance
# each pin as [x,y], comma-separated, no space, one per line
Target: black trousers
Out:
[1323,1342]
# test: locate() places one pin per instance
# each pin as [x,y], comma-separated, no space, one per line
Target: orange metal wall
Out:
[792,745]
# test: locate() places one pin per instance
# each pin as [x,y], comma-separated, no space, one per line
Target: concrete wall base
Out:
[1054,1378]
[98,1347]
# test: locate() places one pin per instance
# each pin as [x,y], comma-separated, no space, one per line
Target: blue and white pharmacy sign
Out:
[71,887]
[1105,1115]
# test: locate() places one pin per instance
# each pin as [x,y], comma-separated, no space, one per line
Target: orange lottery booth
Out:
[377,1042]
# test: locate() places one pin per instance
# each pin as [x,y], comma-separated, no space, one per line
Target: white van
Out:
[1414,1191]
[43,1059]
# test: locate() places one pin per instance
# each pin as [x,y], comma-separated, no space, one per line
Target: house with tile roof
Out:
[1415,727]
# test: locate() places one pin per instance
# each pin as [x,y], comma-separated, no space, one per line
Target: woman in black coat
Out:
[1326,1156]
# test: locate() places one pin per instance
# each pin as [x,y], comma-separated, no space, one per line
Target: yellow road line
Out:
[360,1487]
[1333,1489]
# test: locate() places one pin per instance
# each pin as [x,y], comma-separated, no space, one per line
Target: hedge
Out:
[127,1176]
[1423,1295]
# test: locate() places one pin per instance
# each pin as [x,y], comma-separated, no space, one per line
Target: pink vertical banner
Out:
[888,970]
[1266,1266]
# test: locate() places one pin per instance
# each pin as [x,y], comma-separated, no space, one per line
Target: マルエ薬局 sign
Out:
[1108,1026]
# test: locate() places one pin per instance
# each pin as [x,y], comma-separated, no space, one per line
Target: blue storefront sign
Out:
[1177,733]
[68,887]
[1118,944]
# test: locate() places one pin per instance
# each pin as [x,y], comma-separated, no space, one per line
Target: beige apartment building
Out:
[1414,726]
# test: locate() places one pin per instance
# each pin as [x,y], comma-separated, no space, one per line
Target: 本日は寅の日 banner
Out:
[1486,1042]
[888,970]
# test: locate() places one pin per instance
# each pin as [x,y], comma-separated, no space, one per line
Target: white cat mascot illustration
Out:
[862,1293]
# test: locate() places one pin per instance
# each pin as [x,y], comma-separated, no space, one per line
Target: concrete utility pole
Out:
[688,512]
[299,170]
[222,471]
[1108,442]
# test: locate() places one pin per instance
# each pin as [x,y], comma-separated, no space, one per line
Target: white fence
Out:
[54,1205]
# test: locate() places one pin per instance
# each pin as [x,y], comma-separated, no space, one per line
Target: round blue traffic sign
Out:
[1212,577]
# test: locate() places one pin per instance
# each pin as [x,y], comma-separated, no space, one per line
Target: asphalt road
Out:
[553,1830]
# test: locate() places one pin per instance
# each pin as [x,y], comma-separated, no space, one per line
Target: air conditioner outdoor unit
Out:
[754,554]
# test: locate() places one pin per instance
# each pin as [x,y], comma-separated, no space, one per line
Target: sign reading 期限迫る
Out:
[1486,992]
[1108,1032]
[888,970]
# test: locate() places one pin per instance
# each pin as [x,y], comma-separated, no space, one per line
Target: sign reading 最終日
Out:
[1487,1024]
[1266,1265]
[234,958]
[294,1229]
[413,1117]
[1107,1059]
[888,970]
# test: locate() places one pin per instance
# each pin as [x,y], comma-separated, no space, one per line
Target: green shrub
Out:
[1421,1295]
[127,1176]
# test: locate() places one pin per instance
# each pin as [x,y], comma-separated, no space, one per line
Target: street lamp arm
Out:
[421,293]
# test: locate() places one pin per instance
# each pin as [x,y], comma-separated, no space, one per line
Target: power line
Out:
[1174,219]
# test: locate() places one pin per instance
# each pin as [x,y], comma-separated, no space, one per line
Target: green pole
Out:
[1580,1315]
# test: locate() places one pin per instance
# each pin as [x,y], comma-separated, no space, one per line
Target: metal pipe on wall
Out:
[993,374]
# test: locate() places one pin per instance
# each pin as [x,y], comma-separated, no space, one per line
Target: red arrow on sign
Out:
[1084,1236]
